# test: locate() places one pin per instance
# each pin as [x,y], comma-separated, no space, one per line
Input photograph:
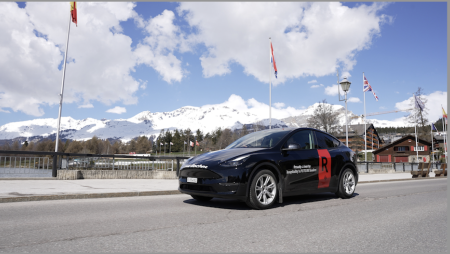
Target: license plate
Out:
[192,180]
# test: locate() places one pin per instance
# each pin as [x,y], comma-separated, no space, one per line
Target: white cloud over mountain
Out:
[354,99]
[435,101]
[100,58]
[301,47]
[117,110]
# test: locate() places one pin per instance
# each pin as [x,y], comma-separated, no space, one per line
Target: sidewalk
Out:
[49,189]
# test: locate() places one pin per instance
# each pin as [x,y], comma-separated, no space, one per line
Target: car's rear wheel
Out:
[347,184]
[263,190]
[201,198]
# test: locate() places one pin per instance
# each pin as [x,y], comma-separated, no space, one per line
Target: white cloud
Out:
[433,105]
[89,105]
[316,86]
[100,58]
[157,49]
[354,99]
[312,81]
[279,105]
[117,110]
[332,90]
[301,47]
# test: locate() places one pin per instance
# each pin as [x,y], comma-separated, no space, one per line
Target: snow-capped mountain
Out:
[206,118]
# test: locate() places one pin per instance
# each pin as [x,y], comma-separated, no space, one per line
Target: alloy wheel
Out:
[265,189]
[349,183]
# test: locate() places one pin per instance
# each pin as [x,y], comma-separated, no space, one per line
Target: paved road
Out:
[406,216]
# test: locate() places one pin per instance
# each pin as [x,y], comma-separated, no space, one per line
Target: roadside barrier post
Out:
[178,166]
[54,171]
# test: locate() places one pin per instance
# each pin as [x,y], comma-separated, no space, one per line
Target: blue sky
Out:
[400,46]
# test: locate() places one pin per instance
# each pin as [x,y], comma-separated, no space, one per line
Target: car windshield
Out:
[260,139]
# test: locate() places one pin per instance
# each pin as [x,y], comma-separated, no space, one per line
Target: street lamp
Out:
[345,84]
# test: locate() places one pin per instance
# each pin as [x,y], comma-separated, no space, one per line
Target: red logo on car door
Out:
[324,168]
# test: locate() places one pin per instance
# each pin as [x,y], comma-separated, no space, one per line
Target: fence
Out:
[35,164]
[364,167]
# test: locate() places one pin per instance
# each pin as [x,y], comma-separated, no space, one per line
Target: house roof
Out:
[439,138]
[398,141]
[357,130]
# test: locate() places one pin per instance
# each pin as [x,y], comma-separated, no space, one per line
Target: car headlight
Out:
[235,162]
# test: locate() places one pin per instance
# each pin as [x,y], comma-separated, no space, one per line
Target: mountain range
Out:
[206,118]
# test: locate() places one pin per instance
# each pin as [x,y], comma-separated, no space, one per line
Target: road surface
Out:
[404,216]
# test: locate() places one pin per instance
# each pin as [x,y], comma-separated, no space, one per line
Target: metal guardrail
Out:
[17,163]
[364,167]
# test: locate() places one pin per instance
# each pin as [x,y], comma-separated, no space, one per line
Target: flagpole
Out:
[415,131]
[432,150]
[270,88]
[443,130]
[62,86]
[365,128]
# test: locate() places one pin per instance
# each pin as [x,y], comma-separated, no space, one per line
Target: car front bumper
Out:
[223,183]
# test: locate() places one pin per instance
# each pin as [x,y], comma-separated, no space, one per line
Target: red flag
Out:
[272,59]
[73,11]
[196,142]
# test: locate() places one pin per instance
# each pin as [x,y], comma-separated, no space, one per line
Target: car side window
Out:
[325,141]
[304,139]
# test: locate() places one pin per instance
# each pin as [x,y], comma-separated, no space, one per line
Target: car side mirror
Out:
[292,147]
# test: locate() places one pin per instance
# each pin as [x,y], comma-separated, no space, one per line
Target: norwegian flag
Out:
[368,87]
[196,143]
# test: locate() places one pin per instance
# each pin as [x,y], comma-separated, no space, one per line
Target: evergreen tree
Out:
[177,142]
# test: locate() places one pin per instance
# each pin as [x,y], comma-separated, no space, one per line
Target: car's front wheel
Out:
[347,184]
[201,198]
[263,190]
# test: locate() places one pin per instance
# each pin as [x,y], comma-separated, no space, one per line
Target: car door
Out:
[329,160]
[300,164]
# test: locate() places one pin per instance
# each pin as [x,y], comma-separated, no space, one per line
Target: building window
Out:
[401,148]
[419,149]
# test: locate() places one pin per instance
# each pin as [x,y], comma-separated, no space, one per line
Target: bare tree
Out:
[419,117]
[324,118]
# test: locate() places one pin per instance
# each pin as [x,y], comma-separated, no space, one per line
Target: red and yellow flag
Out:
[444,115]
[73,11]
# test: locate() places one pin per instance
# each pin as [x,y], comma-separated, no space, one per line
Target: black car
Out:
[262,167]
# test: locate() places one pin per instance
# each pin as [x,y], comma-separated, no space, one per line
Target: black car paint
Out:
[234,182]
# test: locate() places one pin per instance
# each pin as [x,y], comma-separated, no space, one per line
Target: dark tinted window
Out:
[326,141]
[304,139]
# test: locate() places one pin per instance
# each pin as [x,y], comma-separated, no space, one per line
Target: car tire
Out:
[263,190]
[201,198]
[347,184]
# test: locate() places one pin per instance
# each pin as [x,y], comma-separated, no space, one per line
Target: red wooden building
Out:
[404,150]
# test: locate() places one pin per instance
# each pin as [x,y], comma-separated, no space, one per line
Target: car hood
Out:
[216,157]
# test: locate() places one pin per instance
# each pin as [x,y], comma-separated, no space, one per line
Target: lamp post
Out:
[345,84]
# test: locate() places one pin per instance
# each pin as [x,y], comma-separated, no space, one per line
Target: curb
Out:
[147,193]
[29,178]
[406,179]
[87,196]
